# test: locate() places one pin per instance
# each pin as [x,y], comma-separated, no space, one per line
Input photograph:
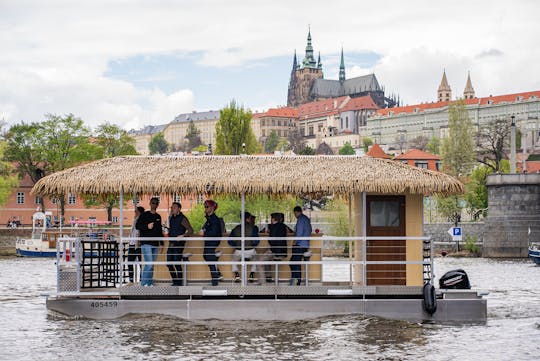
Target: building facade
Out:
[398,126]
[280,120]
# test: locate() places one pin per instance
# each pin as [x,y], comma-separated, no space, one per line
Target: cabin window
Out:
[384,214]
[422,165]
[20,197]
[72,199]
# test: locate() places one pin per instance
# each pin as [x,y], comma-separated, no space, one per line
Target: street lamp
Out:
[513,145]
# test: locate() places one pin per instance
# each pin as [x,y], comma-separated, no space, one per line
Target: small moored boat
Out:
[534,252]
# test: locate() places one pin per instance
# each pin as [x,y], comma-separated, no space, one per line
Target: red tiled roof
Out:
[417,154]
[507,98]
[365,102]
[278,113]
[321,107]
[377,152]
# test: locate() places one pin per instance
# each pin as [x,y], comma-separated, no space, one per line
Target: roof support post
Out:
[121,241]
[364,240]
[350,242]
[243,235]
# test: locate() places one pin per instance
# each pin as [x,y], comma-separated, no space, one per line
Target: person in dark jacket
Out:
[149,226]
[278,247]
[251,230]
[212,228]
[134,250]
[179,227]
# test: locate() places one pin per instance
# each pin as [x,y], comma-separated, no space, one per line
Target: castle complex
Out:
[307,83]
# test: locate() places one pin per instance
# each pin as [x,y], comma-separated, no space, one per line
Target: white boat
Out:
[42,242]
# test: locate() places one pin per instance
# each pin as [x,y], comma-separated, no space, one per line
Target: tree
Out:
[366,143]
[25,147]
[233,131]
[324,149]
[296,140]
[347,149]
[457,150]
[272,142]
[193,136]
[307,150]
[114,141]
[434,145]
[493,143]
[7,180]
[158,144]
[283,145]
[420,142]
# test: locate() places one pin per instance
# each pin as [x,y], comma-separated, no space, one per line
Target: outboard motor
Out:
[455,279]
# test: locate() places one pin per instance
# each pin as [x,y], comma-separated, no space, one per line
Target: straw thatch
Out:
[249,174]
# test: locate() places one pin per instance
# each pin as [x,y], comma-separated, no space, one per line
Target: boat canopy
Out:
[246,174]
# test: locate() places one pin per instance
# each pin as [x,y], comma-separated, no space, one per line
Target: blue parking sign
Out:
[457,231]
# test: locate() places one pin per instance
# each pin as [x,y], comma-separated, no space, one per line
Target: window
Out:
[72,199]
[115,219]
[438,165]
[310,131]
[54,200]
[384,214]
[279,123]
[264,133]
[177,198]
[20,197]
[136,200]
[347,122]
[423,165]
[37,200]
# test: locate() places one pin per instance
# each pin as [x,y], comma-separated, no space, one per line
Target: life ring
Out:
[430,298]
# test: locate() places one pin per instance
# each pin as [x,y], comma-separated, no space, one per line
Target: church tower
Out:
[444,93]
[342,68]
[468,93]
[303,76]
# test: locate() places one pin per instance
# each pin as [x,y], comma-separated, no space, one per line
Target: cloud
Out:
[55,54]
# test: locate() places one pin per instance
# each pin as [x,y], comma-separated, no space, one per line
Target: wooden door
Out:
[386,217]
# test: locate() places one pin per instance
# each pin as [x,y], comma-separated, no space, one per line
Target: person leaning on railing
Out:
[250,230]
[212,228]
[300,246]
[149,225]
[179,227]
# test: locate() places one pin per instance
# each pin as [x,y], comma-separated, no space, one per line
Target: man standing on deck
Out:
[300,246]
[212,228]
[179,227]
[149,225]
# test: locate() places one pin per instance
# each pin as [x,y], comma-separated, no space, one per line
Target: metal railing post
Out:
[121,241]
[243,234]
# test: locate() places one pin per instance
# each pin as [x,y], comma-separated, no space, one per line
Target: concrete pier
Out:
[514,208]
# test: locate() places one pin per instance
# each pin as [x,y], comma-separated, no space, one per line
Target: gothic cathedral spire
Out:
[309,60]
[468,93]
[444,93]
[342,68]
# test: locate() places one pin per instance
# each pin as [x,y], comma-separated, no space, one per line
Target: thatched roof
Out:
[250,174]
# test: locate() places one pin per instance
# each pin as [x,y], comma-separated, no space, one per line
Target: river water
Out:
[512,331]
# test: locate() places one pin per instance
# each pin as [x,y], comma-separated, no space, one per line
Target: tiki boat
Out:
[389,272]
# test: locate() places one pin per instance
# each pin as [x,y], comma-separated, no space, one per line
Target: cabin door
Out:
[386,217]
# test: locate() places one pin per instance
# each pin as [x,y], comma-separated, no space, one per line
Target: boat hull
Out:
[448,310]
[535,256]
[39,254]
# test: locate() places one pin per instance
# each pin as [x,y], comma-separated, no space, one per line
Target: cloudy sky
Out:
[137,62]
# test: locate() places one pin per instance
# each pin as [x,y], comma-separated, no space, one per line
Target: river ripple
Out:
[512,331]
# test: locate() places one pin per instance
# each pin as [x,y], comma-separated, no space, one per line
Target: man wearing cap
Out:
[212,228]
[251,230]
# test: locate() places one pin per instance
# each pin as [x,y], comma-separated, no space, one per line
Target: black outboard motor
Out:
[455,279]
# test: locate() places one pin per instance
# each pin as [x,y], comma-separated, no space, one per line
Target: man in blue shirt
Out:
[300,246]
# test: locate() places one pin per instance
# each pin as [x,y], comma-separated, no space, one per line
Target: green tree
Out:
[8,181]
[347,149]
[193,136]
[283,145]
[158,144]
[493,142]
[307,150]
[272,142]
[434,145]
[457,150]
[66,144]
[25,147]
[114,141]
[233,131]
[366,143]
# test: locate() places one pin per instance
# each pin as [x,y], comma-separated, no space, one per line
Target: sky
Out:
[135,63]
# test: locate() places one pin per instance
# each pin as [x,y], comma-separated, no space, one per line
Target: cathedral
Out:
[307,83]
